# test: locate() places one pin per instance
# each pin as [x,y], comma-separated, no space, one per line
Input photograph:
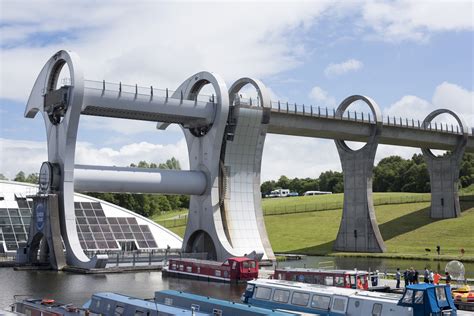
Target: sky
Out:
[411,57]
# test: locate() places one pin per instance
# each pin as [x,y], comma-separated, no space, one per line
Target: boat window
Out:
[234,265]
[226,263]
[253,265]
[118,310]
[281,296]
[408,297]
[377,309]
[320,301]
[440,294]
[245,264]
[168,301]
[189,269]
[108,307]
[263,293]
[339,281]
[139,313]
[249,287]
[419,297]
[329,280]
[353,280]
[300,299]
[198,269]
[97,303]
[195,307]
[217,273]
[339,304]
[217,312]
[181,267]
[173,266]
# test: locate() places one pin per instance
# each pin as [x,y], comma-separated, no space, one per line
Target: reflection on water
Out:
[78,288]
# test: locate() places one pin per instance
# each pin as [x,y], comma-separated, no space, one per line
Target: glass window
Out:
[216,312]
[263,293]
[408,297]
[25,212]
[339,304]
[249,287]
[14,212]
[300,299]
[16,220]
[440,294]
[139,313]
[234,265]
[377,310]
[253,265]
[3,212]
[339,281]
[320,301]
[281,295]
[329,280]
[245,264]
[118,311]
[419,297]
[4,221]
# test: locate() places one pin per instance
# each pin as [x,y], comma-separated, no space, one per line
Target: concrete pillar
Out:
[444,172]
[359,231]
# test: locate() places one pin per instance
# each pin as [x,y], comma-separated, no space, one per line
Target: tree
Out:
[32,178]
[2,177]
[20,177]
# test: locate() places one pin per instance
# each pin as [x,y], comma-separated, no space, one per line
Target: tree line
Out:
[392,174]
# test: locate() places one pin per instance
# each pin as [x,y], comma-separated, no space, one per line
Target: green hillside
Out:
[406,228]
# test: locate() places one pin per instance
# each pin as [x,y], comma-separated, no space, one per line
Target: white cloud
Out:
[416,20]
[333,70]
[159,43]
[321,96]
[446,95]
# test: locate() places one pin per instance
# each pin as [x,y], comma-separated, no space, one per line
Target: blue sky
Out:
[410,57]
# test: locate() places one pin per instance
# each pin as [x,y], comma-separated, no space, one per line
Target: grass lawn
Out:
[169,215]
[406,229]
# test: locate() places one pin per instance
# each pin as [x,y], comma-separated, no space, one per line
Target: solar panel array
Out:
[98,232]
[15,224]
[95,230]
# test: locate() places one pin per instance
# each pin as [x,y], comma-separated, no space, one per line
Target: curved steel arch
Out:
[61,140]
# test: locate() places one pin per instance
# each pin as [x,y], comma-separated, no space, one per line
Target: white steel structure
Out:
[225,139]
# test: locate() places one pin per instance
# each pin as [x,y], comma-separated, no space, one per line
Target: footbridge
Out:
[225,135]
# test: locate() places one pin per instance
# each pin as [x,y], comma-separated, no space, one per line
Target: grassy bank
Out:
[406,229]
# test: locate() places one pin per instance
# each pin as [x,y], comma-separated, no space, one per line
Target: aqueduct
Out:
[225,138]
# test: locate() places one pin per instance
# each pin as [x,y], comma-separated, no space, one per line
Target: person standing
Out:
[436,278]
[448,278]
[405,277]
[397,277]
[416,276]
[431,277]
[426,275]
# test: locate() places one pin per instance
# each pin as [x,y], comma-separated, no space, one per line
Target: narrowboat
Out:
[236,269]
[45,307]
[315,299]
[211,305]
[352,279]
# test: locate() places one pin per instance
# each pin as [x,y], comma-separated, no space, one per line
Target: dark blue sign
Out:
[40,213]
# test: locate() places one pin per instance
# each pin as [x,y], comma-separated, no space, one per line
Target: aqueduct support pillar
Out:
[359,231]
[444,172]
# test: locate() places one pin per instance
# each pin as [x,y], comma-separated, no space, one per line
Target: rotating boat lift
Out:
[225,139]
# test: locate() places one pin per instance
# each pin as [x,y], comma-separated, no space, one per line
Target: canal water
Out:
[77,288]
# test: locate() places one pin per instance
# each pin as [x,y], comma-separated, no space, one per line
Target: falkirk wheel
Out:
[225,138]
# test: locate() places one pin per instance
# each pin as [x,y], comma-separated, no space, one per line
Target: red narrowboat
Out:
[341,278]
[236,269]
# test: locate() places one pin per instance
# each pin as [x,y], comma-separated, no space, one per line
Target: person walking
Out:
[397,277]
[431,277]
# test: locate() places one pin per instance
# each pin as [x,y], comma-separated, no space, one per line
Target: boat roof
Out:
[224,303]
[240,259]
[210,262]
[325,290]
[333,271]
[128,300]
